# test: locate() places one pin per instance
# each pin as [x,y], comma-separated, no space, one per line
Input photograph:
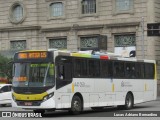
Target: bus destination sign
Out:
[32,55]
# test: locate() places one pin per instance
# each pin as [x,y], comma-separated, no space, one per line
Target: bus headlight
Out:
[48,96]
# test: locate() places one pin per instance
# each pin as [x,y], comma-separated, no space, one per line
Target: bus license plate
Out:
[28,103]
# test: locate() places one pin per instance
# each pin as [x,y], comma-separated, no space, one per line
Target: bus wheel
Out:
[76,105]
[129,102]
[97,108]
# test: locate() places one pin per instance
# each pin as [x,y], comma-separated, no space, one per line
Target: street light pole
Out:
[142,38]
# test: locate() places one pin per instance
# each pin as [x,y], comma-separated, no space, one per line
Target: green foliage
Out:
[5,67]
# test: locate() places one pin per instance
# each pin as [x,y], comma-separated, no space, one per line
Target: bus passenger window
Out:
[133,72]
[119,69]
[127,71]
[149,71]
[94,68]
[139,70]
[104,69]
[80,68]
[130,70]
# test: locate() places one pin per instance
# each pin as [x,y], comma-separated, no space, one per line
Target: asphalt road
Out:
[88,114]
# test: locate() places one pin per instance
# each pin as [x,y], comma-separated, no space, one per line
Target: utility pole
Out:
[142,38]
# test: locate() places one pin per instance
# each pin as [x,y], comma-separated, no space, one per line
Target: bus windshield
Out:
[33,75]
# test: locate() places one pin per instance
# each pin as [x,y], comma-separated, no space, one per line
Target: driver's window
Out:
[50,75]
[51,70]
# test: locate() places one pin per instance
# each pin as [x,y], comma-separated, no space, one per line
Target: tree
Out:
[5,68]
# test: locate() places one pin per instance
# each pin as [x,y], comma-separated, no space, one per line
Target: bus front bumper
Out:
[48,104]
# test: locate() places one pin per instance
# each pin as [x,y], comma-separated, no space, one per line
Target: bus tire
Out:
[97,108]
[129,101]
[76,105]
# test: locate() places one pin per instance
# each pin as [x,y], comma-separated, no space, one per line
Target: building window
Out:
[125,40]
[89,43]
[125,45]
[58,43]
[56,9]
[123,6]
[98,42]
[18,45]
[17,13]
[88,6]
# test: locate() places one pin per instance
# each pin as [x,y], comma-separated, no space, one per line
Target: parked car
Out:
[5,94]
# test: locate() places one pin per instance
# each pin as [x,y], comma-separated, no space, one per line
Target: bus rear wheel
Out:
[129,102]
[76,105]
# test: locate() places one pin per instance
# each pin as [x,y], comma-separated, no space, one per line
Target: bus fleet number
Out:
[79,84]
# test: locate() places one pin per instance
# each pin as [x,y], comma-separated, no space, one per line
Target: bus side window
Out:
[110,69]
[139,70]
[61,72]
[106,69]
[68,71]
[94,68]
[130,70]
[119,69]
[65,71]
[149,71]
[80,67]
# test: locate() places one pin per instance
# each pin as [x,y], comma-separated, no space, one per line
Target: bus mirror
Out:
[10,62]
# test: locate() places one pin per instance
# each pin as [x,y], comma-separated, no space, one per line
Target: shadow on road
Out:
[141,107]
[91,113]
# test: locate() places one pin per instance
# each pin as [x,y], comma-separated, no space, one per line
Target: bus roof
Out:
[98,55]
[92,54]
[32,50]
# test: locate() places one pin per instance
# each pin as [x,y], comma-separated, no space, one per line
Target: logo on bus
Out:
[122,84]
[126,84]
[80,84]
